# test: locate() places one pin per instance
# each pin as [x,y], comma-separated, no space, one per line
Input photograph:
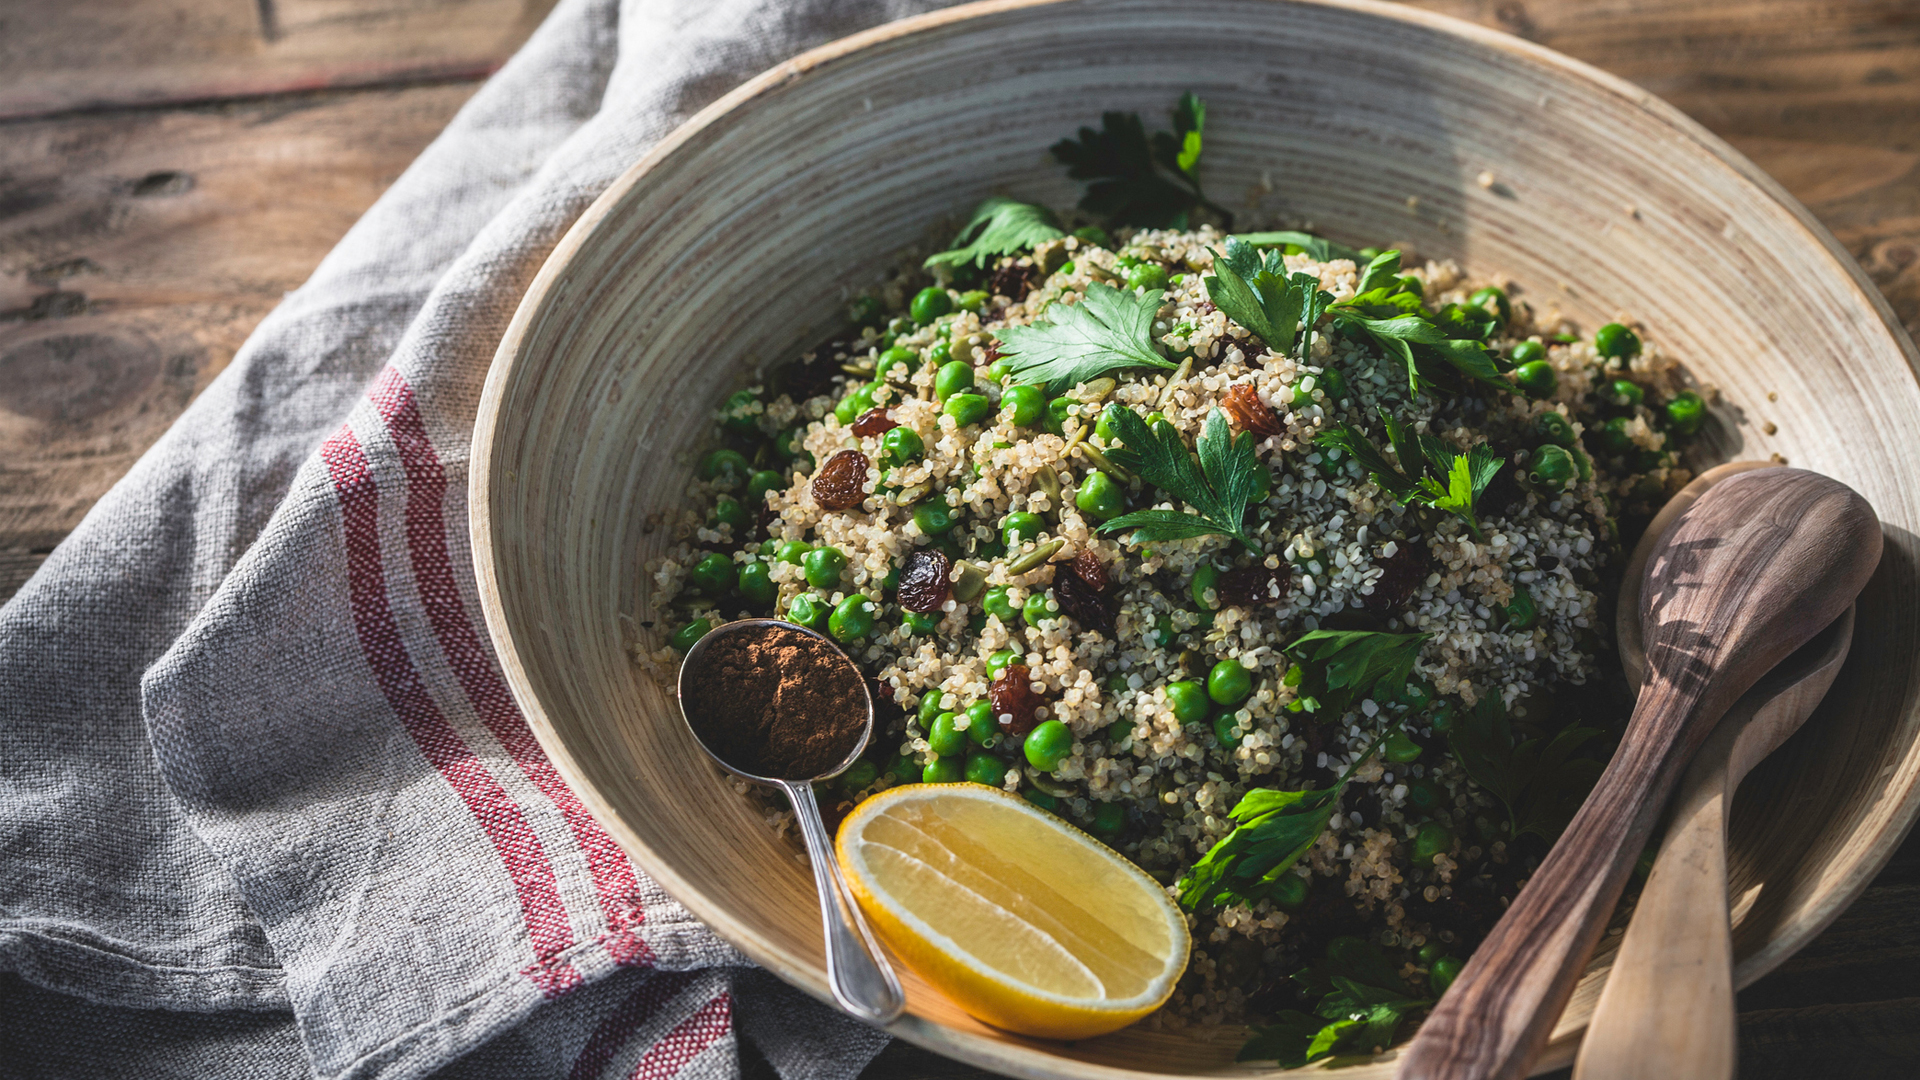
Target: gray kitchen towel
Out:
[266,807]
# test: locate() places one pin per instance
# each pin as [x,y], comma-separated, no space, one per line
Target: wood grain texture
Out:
[1743,288]
[104,54]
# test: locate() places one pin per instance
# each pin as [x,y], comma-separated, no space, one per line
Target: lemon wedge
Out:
[1023,920]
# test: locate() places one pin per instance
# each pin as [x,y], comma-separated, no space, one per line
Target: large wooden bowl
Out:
[734,242]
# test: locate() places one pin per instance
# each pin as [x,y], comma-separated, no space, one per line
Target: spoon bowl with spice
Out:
[779,704]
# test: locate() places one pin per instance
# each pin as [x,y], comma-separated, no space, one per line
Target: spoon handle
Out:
[1667,1008]
[862,980]
[1497,1015]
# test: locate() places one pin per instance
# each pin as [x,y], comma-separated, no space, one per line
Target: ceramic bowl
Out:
[735,242]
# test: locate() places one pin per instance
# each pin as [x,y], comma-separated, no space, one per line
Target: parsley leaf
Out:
[999,226]
[1258,294]
[1107,330]
[1317,248]
[1391,314]
[1541,783]
[1350,664]
[1430,472]
[1363,1004]
[1219,486]
[1274,828]
[1152,183]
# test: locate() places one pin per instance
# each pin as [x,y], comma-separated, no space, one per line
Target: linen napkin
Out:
[266,806]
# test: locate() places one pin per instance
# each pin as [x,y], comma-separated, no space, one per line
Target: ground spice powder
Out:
[775,701]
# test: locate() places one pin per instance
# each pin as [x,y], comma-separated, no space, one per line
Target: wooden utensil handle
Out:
[1667,1009]
[1496,1017]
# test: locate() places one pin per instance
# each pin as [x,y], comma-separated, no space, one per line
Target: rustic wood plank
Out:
[95,54]
[137,251]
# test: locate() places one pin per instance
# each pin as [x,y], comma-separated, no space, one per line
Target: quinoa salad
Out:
[1283,568]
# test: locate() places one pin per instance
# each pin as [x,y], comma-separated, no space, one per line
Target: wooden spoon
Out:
[1749,572]
[1667,1007]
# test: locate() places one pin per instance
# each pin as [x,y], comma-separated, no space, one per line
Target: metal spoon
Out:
[1756,568]
[1667,1008]
[862,981]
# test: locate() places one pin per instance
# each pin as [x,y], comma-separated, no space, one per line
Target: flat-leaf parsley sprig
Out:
[1257,293]
[1430,472]
[1362,1004]
[1153,182]
[1219,486]
[1107,330]
[999,226]
[1387,309]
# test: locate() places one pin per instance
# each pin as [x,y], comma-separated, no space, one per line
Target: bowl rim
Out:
[1006,1057]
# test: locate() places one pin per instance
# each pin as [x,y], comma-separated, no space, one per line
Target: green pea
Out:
[980,726]
[902,444]
[1105,427]
[986,769]
[1120,730]
[1614,437]
[1042,800]
[1441,716]
[1020,526]
[859,776]
[1147,276]
[892,580]
[1551,427]
[858,400]
[1443,971]
[998,661]
[1536,377]
[1521,612]
[807,610]
[1027,404]
[1162,634]
[1226,729]
[1048,745]
[1057,412]
[897,357]
[929,707]
[1686,412]
[865,311]
[999,370]
[999,604]
[756,587]
[988,549]
[968,409]
[1399,749]
[919,622]
[791,551]
[1189,701]
[852,618]
[1626,393]
[1110,817]
[1334,385]
[1433,839]
[944,770]
[1424,794]
[727,466]
[683,638]
[1553,467]
[822,566]
[1095,235]
[1288,892]
[1495,297]
[1616,341]
[954,377]
[944,738]
[932,518]
[1066,267]
[929,304]
[784,446]
[762,482]
[732,512]
[1229,683]
[714,574]
[1039,609]
[1205,580]
[972,300]
[1431,951]
[736,418]
[1527,352]
[1099,497]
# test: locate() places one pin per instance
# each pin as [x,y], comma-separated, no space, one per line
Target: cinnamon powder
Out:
[775,701]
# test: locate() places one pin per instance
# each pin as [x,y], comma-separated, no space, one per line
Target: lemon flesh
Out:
[1023,920]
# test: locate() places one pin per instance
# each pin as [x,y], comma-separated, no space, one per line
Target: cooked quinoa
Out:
[1343,555]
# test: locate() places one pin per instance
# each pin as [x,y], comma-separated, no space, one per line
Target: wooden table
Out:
[169,168]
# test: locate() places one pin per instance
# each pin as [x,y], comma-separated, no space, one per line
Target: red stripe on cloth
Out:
[618,1026]
[685,1042]
[497,814]
[614,880]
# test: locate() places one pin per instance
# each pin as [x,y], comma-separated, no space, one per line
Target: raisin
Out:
[1242,403]
[874,421]
[923,581]
[1080,600]
[1400,575]
[1012,281]
[1014,701]
[841,483]
[1087,565]
[1252,586]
